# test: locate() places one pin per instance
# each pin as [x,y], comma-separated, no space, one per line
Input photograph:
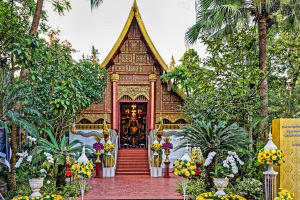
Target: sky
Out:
[166,22]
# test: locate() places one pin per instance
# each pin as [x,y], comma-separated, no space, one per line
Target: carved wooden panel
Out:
[124,46]
[125,78]
[120,68]
[131,32]
[140,58]
[125,58]
[146,68]
[133,68]
[171,101]
[141,78]
[143,46]
[133,45]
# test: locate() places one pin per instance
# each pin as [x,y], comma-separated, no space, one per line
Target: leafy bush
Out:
[250,188]
[194,187]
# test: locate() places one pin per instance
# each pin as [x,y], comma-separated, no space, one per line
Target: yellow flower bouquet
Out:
[109,147]
[48,197]
[82,170]
[211,195]
[271,157]
[184,168]
[284,195]
[156,147]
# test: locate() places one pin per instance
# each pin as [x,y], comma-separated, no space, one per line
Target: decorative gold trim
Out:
[90,126]
[134,13]
[152,78]
[114,77]
[172,117]
[92,117]
[133,91]
[170,126]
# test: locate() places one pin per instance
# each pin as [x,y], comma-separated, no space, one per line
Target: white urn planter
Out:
[221,184]
[35,185]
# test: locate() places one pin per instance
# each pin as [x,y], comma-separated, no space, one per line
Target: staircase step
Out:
[132,173]
[131,165]
[133,169]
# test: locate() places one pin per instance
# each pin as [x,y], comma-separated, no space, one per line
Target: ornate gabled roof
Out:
[134,13]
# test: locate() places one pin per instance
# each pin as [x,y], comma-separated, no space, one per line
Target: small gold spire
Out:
[105,128]
[172,64]
[160,127]
[134,7]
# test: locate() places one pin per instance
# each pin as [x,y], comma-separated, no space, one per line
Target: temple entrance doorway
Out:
[133,125]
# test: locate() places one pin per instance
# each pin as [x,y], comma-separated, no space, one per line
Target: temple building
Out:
[135,96]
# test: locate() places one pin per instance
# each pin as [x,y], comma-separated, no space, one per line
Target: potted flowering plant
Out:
[284,195]
[224,170]
[82,170]
[34,166]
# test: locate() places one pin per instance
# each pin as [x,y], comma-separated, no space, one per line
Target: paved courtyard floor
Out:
[133,187]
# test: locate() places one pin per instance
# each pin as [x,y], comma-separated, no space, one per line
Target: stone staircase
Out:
[133,162]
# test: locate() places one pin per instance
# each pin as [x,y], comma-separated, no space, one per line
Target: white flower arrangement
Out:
[209,158]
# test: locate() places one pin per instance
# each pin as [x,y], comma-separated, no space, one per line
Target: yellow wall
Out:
[286,135]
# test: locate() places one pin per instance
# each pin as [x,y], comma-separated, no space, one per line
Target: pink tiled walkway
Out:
[133,187]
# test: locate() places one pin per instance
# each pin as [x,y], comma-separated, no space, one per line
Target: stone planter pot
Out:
[3,189]
[35,185]
[221,184]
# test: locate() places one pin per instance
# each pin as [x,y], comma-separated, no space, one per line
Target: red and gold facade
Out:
[134,84]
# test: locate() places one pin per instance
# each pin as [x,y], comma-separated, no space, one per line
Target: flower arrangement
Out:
[211,195]
[167,145]
[156,147]
[223,170]
[196,155]
[98,146]
[82,170]
[109,147]
[284,195]
[32,164]
[48,197]
[271,157]
[184,168]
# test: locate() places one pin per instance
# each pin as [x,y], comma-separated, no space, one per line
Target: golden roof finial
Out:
[134,7]
[172,64]
[105,128]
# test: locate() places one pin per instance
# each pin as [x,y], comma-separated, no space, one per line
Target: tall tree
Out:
[222,17]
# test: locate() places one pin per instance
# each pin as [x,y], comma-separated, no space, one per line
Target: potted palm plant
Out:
[218,138]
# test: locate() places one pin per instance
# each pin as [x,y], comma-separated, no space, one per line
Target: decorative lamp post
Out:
[270,174]
[167,146]
[187,158]
[82,181]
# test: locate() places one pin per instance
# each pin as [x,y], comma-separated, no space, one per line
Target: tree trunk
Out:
[263,87]
[34,28]
[61,178]
[11,178]
[37,17]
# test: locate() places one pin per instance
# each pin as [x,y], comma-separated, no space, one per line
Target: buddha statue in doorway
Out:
[133,125]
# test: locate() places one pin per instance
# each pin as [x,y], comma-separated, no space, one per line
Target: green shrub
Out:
[194,187]
[250,188]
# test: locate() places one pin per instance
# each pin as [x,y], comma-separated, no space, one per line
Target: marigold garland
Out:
[82,170]
[271,157]
[213,196]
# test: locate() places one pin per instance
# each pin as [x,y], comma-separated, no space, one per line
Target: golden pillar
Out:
[115,103]
[151,119]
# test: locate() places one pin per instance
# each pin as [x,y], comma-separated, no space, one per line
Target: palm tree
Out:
[60,150]
[16,111]
[216,17]
[218,138]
